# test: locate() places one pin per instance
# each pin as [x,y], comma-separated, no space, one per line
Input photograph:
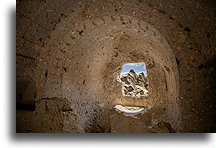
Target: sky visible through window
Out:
[137,67]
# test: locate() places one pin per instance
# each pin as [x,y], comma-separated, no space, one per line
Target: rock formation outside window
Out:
[134,80]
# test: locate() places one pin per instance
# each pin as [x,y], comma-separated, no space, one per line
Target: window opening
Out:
[134,80]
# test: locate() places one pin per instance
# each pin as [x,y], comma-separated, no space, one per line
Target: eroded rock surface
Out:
[134,85]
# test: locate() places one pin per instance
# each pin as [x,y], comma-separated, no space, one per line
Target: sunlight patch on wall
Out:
[131,111]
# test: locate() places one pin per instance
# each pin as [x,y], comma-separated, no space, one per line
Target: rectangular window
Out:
[134,80]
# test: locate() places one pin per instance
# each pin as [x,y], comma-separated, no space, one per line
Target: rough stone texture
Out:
[134,85]
[71,53]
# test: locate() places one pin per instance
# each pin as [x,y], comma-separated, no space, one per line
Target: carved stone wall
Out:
[69,54]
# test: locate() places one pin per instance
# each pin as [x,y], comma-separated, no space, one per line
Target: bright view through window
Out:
[134,80]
